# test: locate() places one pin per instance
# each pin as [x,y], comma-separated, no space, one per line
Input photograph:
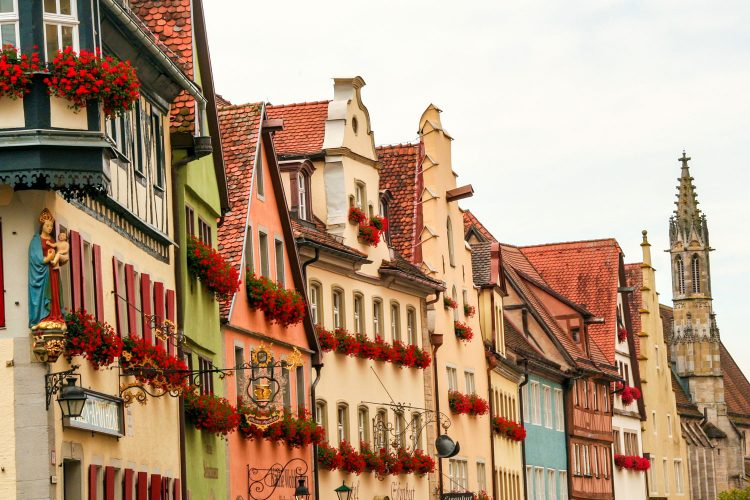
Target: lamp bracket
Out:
[53,382]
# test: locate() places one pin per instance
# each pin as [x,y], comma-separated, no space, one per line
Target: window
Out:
[617,447]
[416,435]
[529,481]
[265,267]
[189,220]
[559,409]
[551,485]
[605,461]
[338,309]
[458,474]
[300,390]
[259,180]
[536,415]
[60,26]
[321,414]
[451,252]
[653,419]
[302,196]
[286,388]
[239,361]
[279,248]
[680,275]
[452,378]
[315,303]
[481,477]
[605,397]
[575,334]
[585,460]
[399,429]
[678,484]
[411,326]
[651,476]
[585,393]
[539,483]
[9,22]
[206,377]
[576,460]
[384,213]
[547,407]
[360,198]
[342,423]
[563,484]
[359,313]
[377,317]
[576,393]
[381,429]
[157,136]
[656,356]
[525,402]
[363,424]
[204,232]
[669,424]
[395,322]
[631,443]
[469,379]
[696,267]
[454,296]
[665,470]
[249,249]
[595,397]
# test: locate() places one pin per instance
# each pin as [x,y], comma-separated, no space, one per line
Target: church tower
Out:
[695,339]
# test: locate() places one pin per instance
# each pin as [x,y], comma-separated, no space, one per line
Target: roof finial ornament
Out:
[684,159]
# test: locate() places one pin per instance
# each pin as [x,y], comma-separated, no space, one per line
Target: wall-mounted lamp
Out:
[72,397]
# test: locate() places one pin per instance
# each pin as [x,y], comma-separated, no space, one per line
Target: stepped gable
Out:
[471,222]
[304,128]
[240,128]
[634,278]
[587,272]
[399,174]
[171,23]
[736,388]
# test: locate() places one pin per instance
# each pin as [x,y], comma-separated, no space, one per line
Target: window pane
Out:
[50,31]
[49,6]
[65,7]
[8,34]
[67,36]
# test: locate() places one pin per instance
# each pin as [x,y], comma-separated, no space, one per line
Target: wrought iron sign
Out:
[413,428]
[262,483]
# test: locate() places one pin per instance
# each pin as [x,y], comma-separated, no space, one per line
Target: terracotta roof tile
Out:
[304,127]
[588,273]
[634,278]
[316,232]
[398,174]
[402,266]
[736,386]
[239,126]
[667,322]
[470,221]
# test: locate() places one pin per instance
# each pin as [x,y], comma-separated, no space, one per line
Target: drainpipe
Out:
[520,405]
[489,388]
[437,393]
[308,262]
[317,369]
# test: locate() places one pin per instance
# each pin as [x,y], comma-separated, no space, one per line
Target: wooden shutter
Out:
[170,317]
[96,253]
[76,275]
[93,473]
[142,491]
[109,483]
[130,294]
[118,309]
[146,306]
[159,302]
[127,485]
[176,493]
[165,488]
[155,489]
[2,280]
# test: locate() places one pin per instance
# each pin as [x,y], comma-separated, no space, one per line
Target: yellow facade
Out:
[662,433]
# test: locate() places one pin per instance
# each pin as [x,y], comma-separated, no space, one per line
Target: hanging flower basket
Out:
[207,265]
[280,305]
[482,495]
[210,413]
[359,346]
[508,428]
[292,431]
[449,303]
[357,215]
[86,76]
[469,404]
[632,462]
[16,71]
[628,394]
[463,331]
[469,311]
[94,340]
[379,223]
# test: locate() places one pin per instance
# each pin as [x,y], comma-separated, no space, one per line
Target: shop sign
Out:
[101,413]
[466,495]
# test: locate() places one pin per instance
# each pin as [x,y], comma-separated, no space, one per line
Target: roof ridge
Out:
[305,103]
[633,264]
[572,242]
[398,144]
[240,106]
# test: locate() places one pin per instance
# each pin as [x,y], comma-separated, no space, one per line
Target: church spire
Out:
[687,200]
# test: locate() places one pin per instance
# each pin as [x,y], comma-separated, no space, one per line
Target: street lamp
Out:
[343,491]
[72,399]
[301,492]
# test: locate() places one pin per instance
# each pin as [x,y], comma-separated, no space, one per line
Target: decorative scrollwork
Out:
[262,483]
[407,437]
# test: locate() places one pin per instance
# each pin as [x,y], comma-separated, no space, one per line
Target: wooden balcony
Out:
[592,424]
[591,487]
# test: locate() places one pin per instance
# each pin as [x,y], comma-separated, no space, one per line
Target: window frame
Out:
[360,195]
[263,254]
[470,382]
[680,275]
[412,336]
[451,244]
[338,310]
[315,299]
[321,414]
[377,317]
[559,410]
[395,320]
[11,17]
[451,373]
[358,312]
[279,261]
[342,425]
[60,20]
[302,189]
[547,395]
[363,424]
[260,184]
[695,272]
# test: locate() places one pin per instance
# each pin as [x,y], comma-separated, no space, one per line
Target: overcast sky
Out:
[568,117]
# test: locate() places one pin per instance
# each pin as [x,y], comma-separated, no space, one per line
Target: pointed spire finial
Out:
[684,159]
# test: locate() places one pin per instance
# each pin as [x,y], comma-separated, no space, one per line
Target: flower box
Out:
[280,305]
[469,311]
[96,341]
[291,430]
[381,462]
[463,331]
[509,429]
[357,215]
[210,413]
[449,303]
[359,346]
[632,462]
[152,365]
[628,394]
[16,71]
[207,265]
[469,404]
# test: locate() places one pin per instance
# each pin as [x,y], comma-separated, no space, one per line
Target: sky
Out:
[567,117]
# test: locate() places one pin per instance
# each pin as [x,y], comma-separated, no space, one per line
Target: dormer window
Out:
[300,177]
[60,26]
[575,332]
[302,181]
[9,22]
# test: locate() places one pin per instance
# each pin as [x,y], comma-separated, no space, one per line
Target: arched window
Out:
[449,232]
[342,422]
[360,198]
[454,296]
[363,424]
[302,196]
[315,305]
[359,313]
[395,322]
[381,429]
[416,431]
[400,429]
[377,317]
[680,270]
[696,266]
[321,414]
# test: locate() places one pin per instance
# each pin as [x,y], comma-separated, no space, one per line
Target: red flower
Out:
[328,457]
[369,235]
[16,72]
[470,404]
[628,394]
[637,463]
[357,215]
[469,311]
[209,266]
[94,340]
[280,305]
[210,413]
[351,460]
[463,331]
[622,333]
[343,342]
[449,303]
[508,428]
[379,223]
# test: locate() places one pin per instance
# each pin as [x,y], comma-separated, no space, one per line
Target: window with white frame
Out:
[526,402]
[539,483]
[458,474]
[559,409]
[279,250]
[360,198]
[60,26]
[363,424]
[321,415]
[452,378]
[469,379]
[400,429]
[547,406]
[481,477]
[315,303]
[342,422]
[248,243]
[302,195]
[377,317]
[529,481]
[9,23]
[359,313]
[411,326]
[551,484]
[381,429]
[665,470]
[265,266]
[337,300]
[678,482]
[563,484]
[395,322]
[536,414]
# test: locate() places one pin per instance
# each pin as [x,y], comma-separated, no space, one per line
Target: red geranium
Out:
[470,404]
[400,354]
[628,393]
[352,461]
[328,457]
[280,305]
[379,223]
[293,431]
[369,235]
[463,331]
[622,333]
[482,495]
[469,311]
[209,266]
[632,462]
[96,341]
[86,76]
[357,215]
[508,428]
[327,339]
[449,303]
[152,365]
[16,72]
[211,413]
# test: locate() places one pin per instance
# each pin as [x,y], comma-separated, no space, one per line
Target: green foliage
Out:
[735,495]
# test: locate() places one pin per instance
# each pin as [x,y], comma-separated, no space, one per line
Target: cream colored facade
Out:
[662,432]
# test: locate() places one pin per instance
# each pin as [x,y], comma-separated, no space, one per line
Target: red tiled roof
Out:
[667,323]
[398,174]
[588,273]
[304,127]
[317,233]
[736,386]
[634,278]
[171,23]
[239,126]
[470,221]
[221,102]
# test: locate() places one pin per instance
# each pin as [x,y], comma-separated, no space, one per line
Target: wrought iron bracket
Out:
[53,382]
[259,480]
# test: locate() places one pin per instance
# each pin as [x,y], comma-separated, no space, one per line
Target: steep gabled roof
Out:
[736,387]
[471,222]
[399,175]
[240,128]
[588,273]
[304,127]
[634,278]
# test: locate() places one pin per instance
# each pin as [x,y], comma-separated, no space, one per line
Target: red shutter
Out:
[98,283]
[165,488]
[155,487]
[76,276]
[159,302]
[170,317]
[130,294]
[142,491]
[2,280]
[176,494]
[93,473]
[127,485]
[118,310]
[146,306]
[109,483]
